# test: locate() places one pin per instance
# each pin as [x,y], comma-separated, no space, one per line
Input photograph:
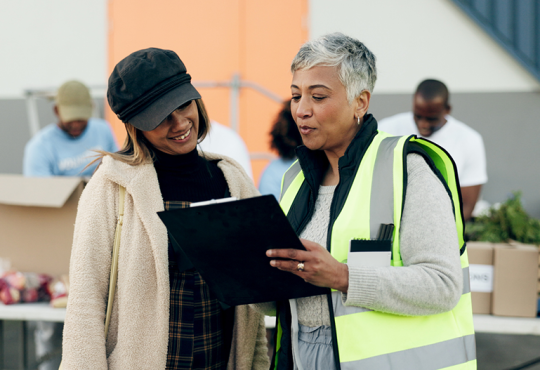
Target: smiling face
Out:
[429,115]
[177,134]
[322,112]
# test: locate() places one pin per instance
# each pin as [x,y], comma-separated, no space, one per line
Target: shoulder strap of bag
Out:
[114,263]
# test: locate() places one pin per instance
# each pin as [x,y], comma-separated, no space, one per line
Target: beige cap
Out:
[74,102]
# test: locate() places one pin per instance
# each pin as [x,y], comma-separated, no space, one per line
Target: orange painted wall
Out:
[215,39]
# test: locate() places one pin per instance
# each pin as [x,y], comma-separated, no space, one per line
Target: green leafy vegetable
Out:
[508,222]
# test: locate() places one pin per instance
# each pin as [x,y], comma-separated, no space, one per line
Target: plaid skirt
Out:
[195,320]
[195,334]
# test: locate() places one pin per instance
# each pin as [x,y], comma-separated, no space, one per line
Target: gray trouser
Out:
[315,348]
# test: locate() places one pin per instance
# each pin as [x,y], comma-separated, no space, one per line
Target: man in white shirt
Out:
[431,119]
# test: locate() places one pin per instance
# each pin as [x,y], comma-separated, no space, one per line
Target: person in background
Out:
[431,119]
[164,314]
[285,139]
[224,140]
[66,147]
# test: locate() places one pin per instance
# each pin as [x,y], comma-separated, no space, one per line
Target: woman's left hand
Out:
[320,268]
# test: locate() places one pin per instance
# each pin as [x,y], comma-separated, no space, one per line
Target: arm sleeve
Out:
[431,279]
[84,337]
[260,357]
[38,161]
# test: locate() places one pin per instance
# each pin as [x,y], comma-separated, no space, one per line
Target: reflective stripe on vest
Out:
[289,177]
[370,339]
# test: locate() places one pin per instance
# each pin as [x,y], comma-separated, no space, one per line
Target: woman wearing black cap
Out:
[164,316]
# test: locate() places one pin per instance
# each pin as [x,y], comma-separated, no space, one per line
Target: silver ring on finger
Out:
[300,266]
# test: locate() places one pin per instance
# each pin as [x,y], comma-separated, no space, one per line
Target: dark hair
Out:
[284,133]
[431,89]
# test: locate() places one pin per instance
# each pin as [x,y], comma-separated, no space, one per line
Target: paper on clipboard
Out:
[369,253]
[212,201]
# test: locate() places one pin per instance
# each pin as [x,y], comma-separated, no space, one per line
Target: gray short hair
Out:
[355,62]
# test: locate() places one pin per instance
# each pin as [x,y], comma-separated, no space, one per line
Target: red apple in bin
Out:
[30,295]
[44,280]
[9,295]
[32,280]
[15,279]
[43,290]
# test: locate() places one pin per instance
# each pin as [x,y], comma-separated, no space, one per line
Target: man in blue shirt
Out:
[65,148]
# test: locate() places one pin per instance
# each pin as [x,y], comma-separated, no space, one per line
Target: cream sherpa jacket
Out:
[138,333]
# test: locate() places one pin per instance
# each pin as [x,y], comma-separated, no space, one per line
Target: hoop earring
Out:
[358,120]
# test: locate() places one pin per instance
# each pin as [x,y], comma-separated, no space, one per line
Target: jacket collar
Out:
[314,162]
[142,183]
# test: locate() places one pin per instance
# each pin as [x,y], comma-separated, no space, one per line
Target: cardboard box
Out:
[515,290]
[481,275]
[37,217]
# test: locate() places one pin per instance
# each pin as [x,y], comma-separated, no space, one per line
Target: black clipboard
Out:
[227,244]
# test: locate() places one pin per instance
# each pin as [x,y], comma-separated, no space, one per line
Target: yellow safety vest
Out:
[368,339]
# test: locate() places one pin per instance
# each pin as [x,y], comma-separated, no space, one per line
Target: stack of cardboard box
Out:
[504,278]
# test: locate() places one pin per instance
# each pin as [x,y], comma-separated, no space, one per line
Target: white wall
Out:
[43,43]
[418,39]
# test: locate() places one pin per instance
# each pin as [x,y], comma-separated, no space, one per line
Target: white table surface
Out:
[482,323]
[32,312]
[506,325]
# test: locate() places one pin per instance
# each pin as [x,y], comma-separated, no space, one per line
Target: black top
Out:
[189,177]
[186,179]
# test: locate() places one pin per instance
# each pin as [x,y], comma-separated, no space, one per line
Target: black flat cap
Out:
[147,86]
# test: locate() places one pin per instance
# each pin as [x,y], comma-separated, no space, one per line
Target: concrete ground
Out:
[504,352]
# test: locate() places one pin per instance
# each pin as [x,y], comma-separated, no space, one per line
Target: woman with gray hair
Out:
[380,219]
